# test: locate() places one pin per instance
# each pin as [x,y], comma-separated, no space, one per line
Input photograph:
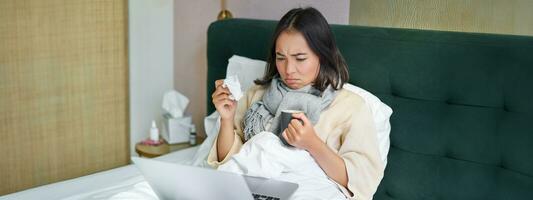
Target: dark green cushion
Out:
[462,126]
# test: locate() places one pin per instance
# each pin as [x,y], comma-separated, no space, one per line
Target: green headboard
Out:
[462,126]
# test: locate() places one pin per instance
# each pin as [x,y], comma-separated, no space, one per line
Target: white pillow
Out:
[381,114]
[248,70]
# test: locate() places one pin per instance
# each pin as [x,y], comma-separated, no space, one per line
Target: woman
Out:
[305,72]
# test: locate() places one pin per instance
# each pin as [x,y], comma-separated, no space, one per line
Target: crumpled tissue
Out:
[232,82]
[246,69]
[175,103]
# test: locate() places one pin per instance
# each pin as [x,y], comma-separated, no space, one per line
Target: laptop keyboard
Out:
[264,197]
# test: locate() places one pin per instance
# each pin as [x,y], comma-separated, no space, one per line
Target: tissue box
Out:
[176,130]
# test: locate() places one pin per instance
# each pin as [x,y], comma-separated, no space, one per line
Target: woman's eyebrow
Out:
[280,54]
[299,54]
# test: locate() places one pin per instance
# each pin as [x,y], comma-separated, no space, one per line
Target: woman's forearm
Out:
[330,162]
[225,138]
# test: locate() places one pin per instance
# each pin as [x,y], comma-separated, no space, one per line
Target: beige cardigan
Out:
[346,126]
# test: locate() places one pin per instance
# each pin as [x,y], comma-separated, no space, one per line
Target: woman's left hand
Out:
[300,135]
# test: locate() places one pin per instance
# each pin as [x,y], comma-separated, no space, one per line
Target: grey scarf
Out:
[279,97]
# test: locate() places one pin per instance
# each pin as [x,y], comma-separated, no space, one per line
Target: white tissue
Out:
[246,69]
[232,82]
[175,103]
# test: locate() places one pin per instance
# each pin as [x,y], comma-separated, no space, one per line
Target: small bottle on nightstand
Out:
[154,132]
[192,137]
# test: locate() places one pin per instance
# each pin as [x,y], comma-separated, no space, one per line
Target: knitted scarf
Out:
[279,97]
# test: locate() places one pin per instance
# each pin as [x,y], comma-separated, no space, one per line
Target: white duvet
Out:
[265,156]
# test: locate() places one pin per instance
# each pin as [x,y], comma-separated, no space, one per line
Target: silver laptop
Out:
[174,181]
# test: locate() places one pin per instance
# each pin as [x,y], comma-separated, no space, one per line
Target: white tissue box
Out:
[176,130]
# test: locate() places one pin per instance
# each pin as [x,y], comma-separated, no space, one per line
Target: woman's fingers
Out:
[221,95]
[293,135]
[224,105]
[226,102]
[220,90]
[302,119]
[296,123]
[219,82]
[286,136]
[222,99]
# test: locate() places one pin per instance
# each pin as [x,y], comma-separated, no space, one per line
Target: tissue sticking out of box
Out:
[175,103]
[232,82]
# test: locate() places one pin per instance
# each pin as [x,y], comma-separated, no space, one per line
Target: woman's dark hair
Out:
[317,33]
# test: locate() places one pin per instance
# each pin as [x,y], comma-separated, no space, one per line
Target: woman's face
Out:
[297,64]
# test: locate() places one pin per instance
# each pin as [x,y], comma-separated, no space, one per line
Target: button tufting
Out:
[449,154]
[505,108]
[502,165]
[388,193]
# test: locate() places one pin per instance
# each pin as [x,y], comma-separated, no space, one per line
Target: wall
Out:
[335,11]
[190,69]
[192,18]
[488,16]
[151,63]
[63,90]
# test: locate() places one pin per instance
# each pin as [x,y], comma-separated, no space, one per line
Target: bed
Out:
[462,110]
[102,185]
[461,127]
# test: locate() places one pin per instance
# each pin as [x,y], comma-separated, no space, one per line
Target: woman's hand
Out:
[305,137]
[224,105]
[300,135]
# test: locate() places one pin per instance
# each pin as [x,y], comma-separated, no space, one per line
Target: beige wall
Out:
[335,11]
[191,19]
[488,16]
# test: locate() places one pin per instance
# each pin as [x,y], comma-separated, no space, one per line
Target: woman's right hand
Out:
[224,105]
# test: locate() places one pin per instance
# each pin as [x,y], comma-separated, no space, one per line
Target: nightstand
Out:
[180,146]
[150,151]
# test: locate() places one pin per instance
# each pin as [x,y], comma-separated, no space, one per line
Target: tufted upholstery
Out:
[462,126]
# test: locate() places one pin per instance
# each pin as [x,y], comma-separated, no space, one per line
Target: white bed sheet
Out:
[101,185]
